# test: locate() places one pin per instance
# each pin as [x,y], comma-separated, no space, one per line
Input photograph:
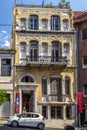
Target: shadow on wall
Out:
[5,109]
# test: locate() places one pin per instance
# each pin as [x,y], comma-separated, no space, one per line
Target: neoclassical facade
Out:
[45,62]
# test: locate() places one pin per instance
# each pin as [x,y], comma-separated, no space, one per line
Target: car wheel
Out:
[40,126]
[14,124]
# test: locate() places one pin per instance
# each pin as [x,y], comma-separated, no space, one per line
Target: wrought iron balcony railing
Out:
[46,59]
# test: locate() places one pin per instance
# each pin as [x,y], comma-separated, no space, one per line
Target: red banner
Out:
[17,109]
[79,102]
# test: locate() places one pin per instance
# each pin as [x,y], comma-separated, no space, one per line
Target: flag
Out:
[43,3]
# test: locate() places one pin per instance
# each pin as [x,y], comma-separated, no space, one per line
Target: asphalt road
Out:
[23,128]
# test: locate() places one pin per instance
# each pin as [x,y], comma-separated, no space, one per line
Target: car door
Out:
[35,120]
[22,119]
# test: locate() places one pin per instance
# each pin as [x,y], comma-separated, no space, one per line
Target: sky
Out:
[6,15]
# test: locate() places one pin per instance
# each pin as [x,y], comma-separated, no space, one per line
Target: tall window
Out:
[33,50]
[22,50]
[68,112]
[44,24]
[85,90]
[55,89]
[84,34]
[56,112]
[67,85]
[55,23]
[33,22]
[44,111]
[6,67]
[65,24]
[44,86]
[56,51]
[84,62]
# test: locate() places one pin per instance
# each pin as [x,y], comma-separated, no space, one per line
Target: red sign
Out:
[17,109]
[79,102]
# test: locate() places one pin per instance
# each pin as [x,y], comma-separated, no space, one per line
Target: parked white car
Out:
[27,119]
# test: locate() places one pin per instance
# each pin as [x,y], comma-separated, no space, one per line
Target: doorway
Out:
[27,101]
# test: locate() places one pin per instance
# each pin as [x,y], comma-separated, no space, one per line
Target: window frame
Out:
[6,67]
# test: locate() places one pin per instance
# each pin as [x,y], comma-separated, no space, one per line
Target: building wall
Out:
[6,82]
[40,69]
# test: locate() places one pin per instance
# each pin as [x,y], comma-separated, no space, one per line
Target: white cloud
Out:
[7,43]
[4,39]
[4,31]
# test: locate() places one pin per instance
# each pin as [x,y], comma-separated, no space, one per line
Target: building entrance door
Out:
[27,101]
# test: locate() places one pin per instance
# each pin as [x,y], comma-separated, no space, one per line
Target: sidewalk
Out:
[3,120]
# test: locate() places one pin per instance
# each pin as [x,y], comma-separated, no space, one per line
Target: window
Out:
[44,24]
[55,89]
[55,23]
[44,86]
[84,61]
[67,85]
[27,79]
[33,22]
[6,67]
[56,112]
[33,50]
[84,34]
[65,25]
[44,111]
[68,112]
[56,51]
[85,90]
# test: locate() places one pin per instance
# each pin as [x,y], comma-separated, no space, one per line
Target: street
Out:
[23,128]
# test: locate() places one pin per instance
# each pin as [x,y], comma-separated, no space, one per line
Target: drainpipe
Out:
[77,76]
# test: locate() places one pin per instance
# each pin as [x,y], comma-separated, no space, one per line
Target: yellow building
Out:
[45,62]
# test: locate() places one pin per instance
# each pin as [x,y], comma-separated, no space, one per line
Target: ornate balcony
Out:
[46,61]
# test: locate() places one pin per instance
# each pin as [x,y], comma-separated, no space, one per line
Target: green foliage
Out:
[3,96]
[33,5]
[64,4]
[50,5]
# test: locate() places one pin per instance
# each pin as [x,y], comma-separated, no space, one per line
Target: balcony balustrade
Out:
[46,60]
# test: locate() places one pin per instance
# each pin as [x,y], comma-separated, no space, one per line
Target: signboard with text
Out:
[79,102]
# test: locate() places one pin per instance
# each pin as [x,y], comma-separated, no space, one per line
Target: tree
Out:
[64,4]
[50,5]
[3,96]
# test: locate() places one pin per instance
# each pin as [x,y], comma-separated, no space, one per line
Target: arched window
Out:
[33,22]
[55,23]
[56,51]
[33,50]
[27,79]
[67,85]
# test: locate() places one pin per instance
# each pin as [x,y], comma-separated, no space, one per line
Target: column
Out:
[64,112]
[35,100]
[20,91]
[48,111]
